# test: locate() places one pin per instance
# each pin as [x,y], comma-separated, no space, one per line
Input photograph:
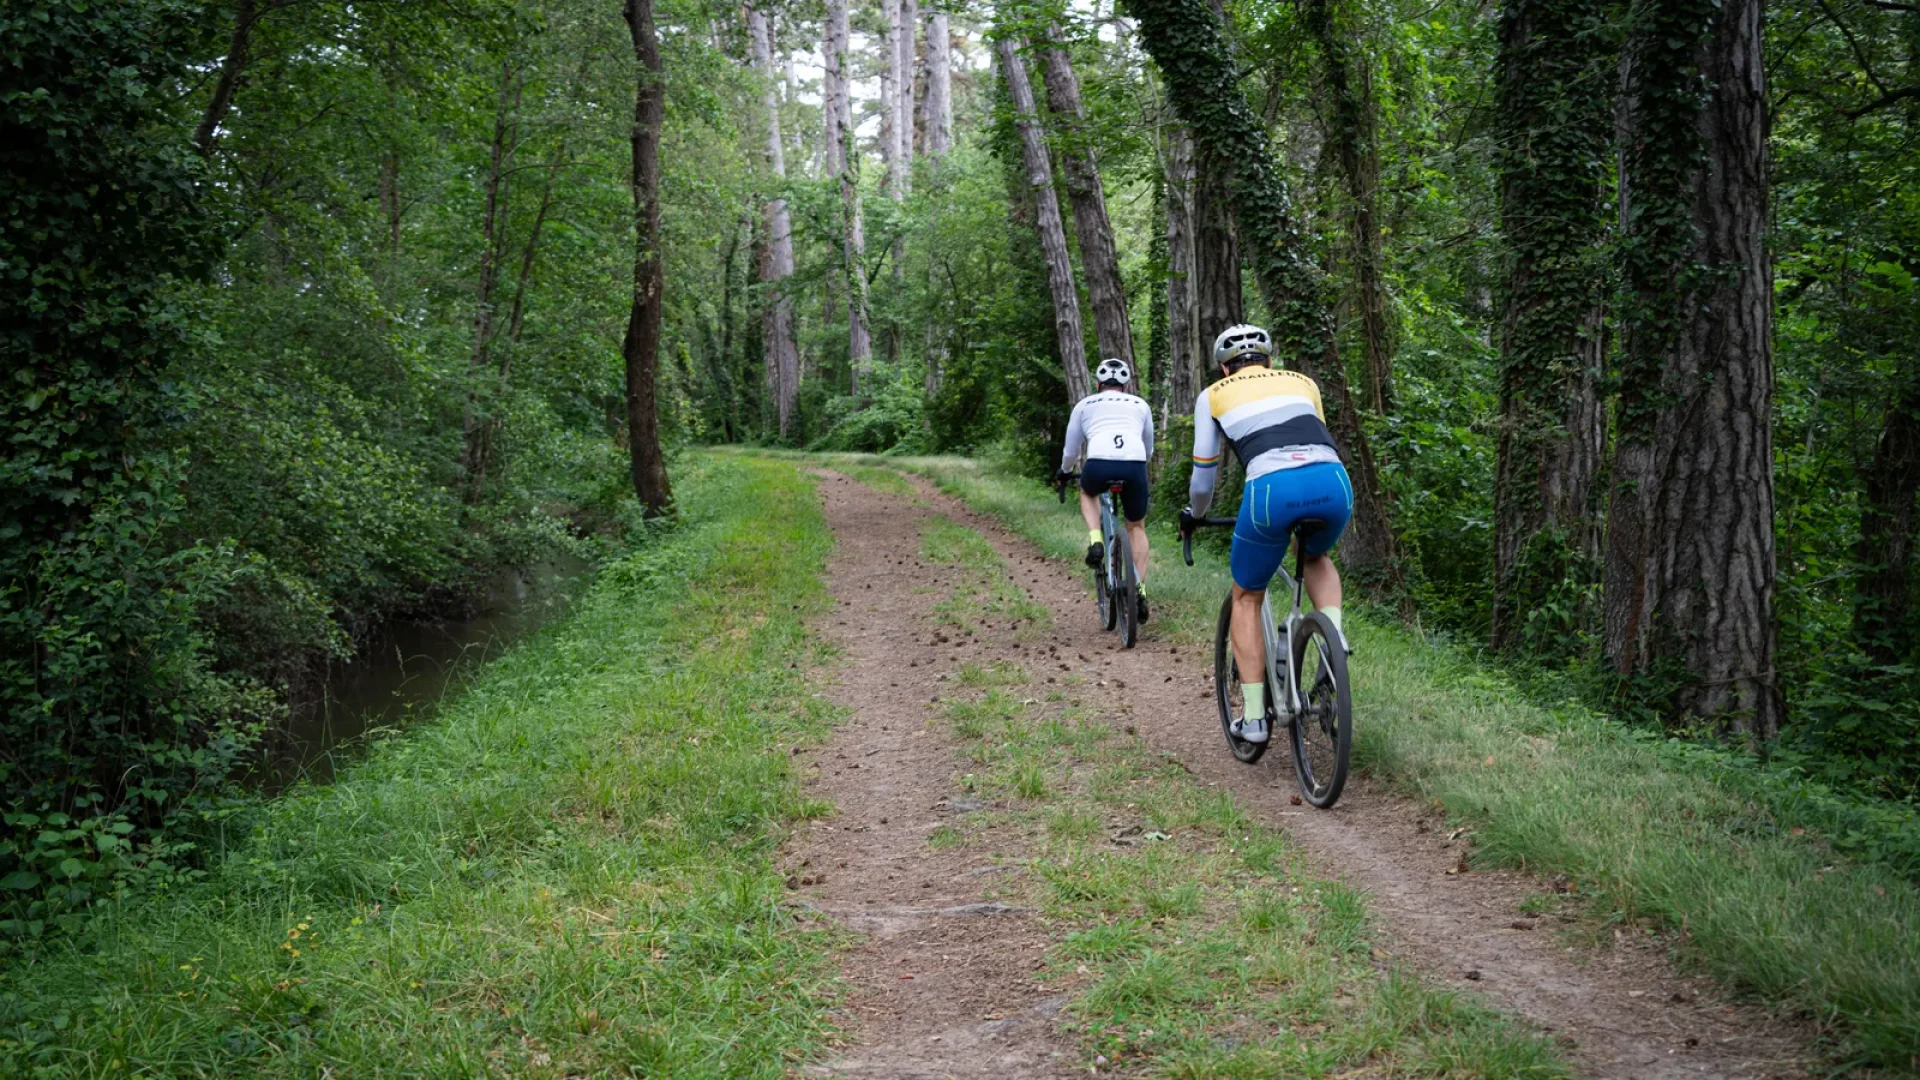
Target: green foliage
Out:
[109,715]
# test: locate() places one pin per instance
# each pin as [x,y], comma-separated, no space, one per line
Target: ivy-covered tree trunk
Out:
[779,349]
[641,348]
[1350,128]
[843,163]
[1068,336]
[1186,371]
[1112,328]
[1184,39]
[1552,79]
[1690,554]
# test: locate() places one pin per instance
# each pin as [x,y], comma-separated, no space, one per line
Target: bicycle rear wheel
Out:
[1103,580]
[1322,731]
[1226,687]
[1128,600]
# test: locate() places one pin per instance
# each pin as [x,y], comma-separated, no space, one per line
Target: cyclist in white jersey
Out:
[1114,429]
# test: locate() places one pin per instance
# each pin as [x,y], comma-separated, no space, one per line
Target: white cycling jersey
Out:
[1111,424]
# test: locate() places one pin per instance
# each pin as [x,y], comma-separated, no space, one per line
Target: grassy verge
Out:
[1650,830]
[1197,943]
[566,874]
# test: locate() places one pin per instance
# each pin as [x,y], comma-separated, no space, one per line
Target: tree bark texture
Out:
[1157,348]
[1690,560]
[1067,333]
[779,349]
[1112,328]
[939,84]
[844,161]
[246,13]
[1350,128]
[1186,370]
[641,349]
[1553,101]
[1185,39]
[1218,299]
[1883,597]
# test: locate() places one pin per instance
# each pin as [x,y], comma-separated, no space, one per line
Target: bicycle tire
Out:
[1226,687]
[1322,731]
[1129,602]
[1103,581]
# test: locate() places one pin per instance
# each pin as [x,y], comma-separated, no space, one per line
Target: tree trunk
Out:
[1068,336]
[1157,348]
[246,13]
[1184,38]
[1690,559]
[844,162]
[1883,597]
[641,349]
[939,85]
[1350,129]
[476,425]
[1186,371]
[1218,297]
[778,345]
[1098,260]
[1553,102]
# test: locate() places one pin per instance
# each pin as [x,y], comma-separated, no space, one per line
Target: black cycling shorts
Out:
[1099,473]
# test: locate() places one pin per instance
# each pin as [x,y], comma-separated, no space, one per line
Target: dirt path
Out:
[942,983]
[1624,1011]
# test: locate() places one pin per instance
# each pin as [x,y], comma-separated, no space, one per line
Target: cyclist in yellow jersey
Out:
[1277,427]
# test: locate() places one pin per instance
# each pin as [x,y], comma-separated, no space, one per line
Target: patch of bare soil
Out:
[942,983]
[1622,1009]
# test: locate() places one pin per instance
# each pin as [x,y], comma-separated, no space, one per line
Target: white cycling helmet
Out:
[1236,342]
[1113,371]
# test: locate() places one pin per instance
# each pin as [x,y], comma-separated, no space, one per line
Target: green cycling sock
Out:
[1093,536]
[1333,616]
[1256,695]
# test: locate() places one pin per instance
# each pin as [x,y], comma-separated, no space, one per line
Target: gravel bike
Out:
[1306,676]
[1114,583]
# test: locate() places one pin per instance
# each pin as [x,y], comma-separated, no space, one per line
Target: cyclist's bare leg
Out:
[1090,511]
[1137,535]
[1323,580]
[1249,643]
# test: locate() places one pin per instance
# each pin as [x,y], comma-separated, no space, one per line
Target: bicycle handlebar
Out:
[1060,483]
[1189,525]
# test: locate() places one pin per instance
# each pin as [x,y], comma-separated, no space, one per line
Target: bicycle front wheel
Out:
[1226,687]
[1322,731]
[1128,602]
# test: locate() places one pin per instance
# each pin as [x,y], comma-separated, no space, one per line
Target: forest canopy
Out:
[315,314]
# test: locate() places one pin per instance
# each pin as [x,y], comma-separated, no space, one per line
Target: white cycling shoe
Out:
[1251,729]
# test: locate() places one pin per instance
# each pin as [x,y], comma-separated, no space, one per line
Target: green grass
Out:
[1650,830]
[1194,943]
[566,874]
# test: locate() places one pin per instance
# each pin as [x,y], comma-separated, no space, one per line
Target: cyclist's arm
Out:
[1076,437]
[1148,430]
[1207,454]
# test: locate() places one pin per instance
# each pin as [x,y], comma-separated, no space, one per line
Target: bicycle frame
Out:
[1277,634]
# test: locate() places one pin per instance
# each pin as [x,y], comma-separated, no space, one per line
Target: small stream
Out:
[406,669]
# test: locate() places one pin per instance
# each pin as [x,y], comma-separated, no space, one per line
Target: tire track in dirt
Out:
[1623,1011]
[942,983]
